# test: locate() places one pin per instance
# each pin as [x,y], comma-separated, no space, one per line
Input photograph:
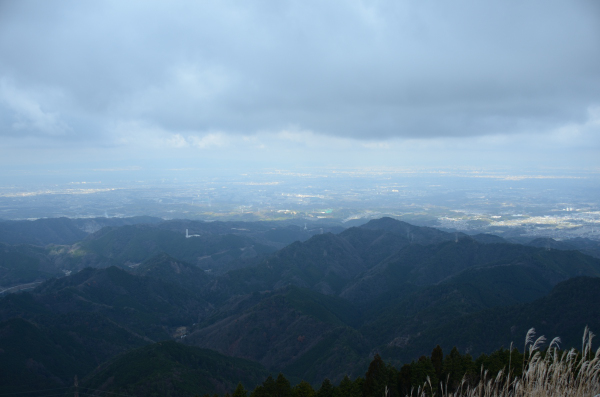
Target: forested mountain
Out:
[169,368]
[45,248]
[317,308]
[61,230]
[585,245]
[42,349]
[570,306]
[299,332]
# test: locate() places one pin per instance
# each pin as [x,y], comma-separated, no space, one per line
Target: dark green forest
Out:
[134,307]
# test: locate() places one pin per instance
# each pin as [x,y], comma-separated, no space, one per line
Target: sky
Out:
[126,84]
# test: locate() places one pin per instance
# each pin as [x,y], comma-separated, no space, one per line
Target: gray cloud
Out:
[374,70]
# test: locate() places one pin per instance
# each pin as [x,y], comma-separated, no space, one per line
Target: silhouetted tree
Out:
[456,367]
[420,371]
[303,389]
[282,387]
[326,389]
[437,360]
[347,388]
[267,389]
[404,380]
[376,378]
[240,391]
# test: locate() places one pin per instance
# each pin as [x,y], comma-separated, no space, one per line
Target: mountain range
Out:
[279,297]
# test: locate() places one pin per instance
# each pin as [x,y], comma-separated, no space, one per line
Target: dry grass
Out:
[566,374]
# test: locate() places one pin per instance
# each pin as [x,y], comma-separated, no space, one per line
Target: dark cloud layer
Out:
[86,72]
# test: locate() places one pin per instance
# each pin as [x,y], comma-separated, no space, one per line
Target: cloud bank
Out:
[355,76]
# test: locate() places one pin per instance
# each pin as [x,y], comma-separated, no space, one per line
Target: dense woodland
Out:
[435,369]
[132,306]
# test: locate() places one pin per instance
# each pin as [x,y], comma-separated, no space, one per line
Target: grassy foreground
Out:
[565,374]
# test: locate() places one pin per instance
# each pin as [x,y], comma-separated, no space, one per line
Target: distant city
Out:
[558,204]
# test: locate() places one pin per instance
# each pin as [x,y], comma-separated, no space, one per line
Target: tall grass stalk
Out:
[570,374]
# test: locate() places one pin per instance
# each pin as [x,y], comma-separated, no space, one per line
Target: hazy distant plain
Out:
[554,203]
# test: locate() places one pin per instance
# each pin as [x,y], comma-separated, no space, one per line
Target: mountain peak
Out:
[417,234]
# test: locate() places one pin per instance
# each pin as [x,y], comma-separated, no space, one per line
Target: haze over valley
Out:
[559,204]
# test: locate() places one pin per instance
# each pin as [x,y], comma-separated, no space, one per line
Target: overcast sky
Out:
[278,83]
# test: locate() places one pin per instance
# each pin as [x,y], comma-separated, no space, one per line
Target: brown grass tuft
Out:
[567,374]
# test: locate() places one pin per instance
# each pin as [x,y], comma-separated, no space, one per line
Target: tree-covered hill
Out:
[48,350]
[137,243]
[166,268]
[570,307]
[147,306]
[318,308]
[172,369]
[60,230]
[294,330]
[325,263]
[433,264]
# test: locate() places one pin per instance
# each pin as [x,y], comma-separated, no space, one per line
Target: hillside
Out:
[48,350]
[564,312]
[325,263]
[149,307]
[318,308]
[167,269]
[170,368]
[134,244]
[281,330]
[60,231]
[433,264]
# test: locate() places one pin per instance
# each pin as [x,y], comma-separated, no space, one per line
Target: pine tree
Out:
[326,390]
[455,367]
[282,387]
[437,359]
[240,391]
[303,389]
[376,378]
[267,389]
[347,388]
[404,380]
[420,371]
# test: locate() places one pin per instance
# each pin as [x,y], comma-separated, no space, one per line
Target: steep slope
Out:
[374,245]
[485,238]
[325,263]
[564,313]
[432,264]
[165,268]
[48,351]
[468,292]
[584,245]
[20,264]
[170,368]
[17,267]
[392,323]
[135,244]
[60,230]
[33,358]
[512,283]
[415,234]
[314,309]
[276,234]
[148,307]
[279,329]
[41,232]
